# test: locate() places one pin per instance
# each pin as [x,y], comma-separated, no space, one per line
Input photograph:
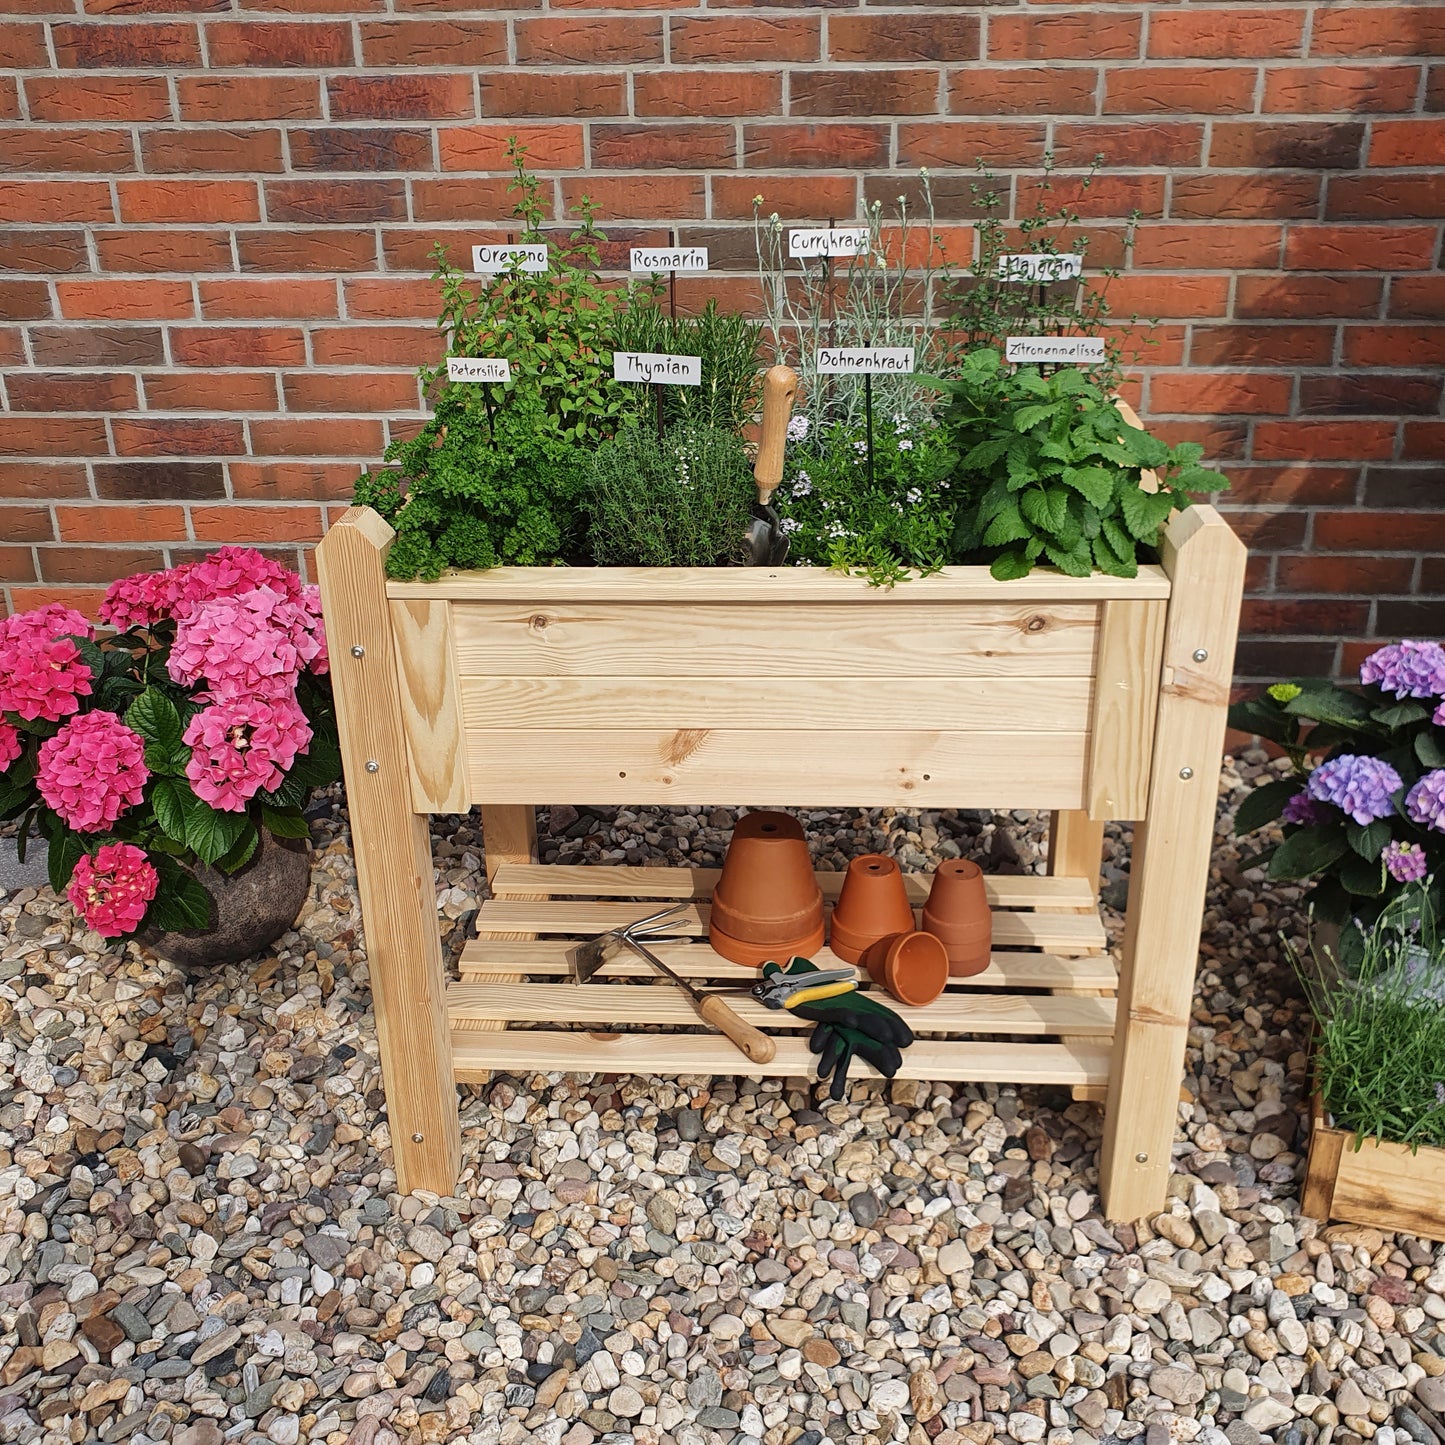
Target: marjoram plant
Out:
[1363,811]
[205,718]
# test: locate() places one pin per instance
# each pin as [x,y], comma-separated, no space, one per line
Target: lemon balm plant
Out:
[172,745]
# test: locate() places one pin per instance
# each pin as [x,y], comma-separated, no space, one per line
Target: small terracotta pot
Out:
[957,912]
[912,966]
[872,904]
[767,904]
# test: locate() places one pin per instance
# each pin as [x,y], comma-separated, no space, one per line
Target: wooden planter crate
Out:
[1094,697]
[1387,1186]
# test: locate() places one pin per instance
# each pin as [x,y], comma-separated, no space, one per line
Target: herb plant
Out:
[1048,471]
[1363,811]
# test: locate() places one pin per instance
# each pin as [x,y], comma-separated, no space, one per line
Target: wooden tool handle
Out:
[780,387]
[753,1042]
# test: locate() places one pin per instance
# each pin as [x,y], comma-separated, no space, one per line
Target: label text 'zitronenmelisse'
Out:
[1054,348]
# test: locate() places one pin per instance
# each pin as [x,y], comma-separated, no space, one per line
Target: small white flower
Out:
[798,429]
[789,525]
[904,445]
[861,448]
[802,485]
[913,496]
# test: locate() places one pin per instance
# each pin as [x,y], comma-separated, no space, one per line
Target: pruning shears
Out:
[780,988]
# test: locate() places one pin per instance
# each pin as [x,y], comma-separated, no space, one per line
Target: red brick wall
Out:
[214,224]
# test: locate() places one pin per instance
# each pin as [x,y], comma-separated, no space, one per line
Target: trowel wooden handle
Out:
[780,387]
[753,1042]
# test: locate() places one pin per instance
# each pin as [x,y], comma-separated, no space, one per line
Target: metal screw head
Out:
[372,766]
[1185,773]
[1201,654]
[358,651]
[1141,1158]
[418,1138]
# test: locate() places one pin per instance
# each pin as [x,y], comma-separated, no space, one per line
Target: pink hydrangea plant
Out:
[239,646]
[113,890]
[92,770]
[10,746]
[140,601]
[241,745]
[42,624]
[232,572]
[41,677]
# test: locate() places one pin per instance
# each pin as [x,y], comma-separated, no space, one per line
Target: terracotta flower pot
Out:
[872,905]
[912,966]
[767,904]
[957,912]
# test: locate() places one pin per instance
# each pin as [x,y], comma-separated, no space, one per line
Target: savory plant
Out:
[204,719]
[1363,810]
[679,500]
[1048,471]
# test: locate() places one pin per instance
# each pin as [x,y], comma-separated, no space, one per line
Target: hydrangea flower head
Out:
[1438,717]
[1303,809]
[309,636]
[92,770]
[1405,862]
[113,890]
[1425,802]
[41,676]
[45,624]
[10,746]
[143,600]
[1407,669]
[233,572]
[1359,786]
[240,646]
[241,745]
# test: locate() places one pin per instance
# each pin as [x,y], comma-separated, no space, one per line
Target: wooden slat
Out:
[553,638]
[1061,704]
[1058,932]
[618,1004]
[500,961]
[430,705]
[763,768]
[1126,695]
[475,1055]
[1004,890]
[774,584]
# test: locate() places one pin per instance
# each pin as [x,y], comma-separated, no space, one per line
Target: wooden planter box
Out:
[1387,1186]
[1095,698]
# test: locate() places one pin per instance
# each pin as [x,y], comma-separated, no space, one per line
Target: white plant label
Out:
[850,242]
[489,260]
[657,366]
[1041,267]
[478,368]
[1054,348]
[669,258]
[865,360]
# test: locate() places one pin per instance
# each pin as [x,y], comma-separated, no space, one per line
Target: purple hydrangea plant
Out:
[1425,802]
[1405,862]
[1359,786]
[1407,669]
[1303,809]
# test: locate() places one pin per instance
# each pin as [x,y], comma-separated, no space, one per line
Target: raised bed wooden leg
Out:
[1076,846]
[392,844]
[1170,867]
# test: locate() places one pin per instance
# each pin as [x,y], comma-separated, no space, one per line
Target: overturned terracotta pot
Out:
[873,904]
[912,966]
[957,913]
[767,904]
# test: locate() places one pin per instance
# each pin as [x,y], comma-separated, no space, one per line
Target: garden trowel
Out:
[767,545]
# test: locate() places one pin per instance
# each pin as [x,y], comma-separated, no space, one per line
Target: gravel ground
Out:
[200,1238]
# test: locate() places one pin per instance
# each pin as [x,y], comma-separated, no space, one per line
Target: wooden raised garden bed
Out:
[1096,698]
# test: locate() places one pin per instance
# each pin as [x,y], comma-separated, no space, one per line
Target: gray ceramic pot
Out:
[250,909]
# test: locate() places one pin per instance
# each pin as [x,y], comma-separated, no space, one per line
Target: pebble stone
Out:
[201,1238]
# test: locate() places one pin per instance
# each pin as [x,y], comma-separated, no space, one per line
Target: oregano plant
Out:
[1049,472]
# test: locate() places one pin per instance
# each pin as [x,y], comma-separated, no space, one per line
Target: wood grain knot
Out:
[683,744]
[539,622]
[1036,623]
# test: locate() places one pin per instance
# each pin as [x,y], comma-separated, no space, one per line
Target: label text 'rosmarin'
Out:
[491,259]
[1040,267]
[657,367]
[850,242]
[669,258]
[877,360]
[478,368]
[1054,348]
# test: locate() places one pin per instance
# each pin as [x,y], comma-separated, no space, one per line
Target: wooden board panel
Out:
[1390,1187]
[846,704]
[614,1004]
[679,640]
[773,584]
[695,765]
[430,705]
[495,960]
[1004,890]
[475,1055]
[1058,932]
[1126,696]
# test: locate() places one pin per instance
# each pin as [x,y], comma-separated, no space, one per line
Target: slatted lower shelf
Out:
[1042,1012]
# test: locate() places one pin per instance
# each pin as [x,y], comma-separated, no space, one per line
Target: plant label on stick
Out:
[864,360]
[657,367]
[652,259]
[850,241]
[489,260]
[1040,267]
[1054,348]
[478,368]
